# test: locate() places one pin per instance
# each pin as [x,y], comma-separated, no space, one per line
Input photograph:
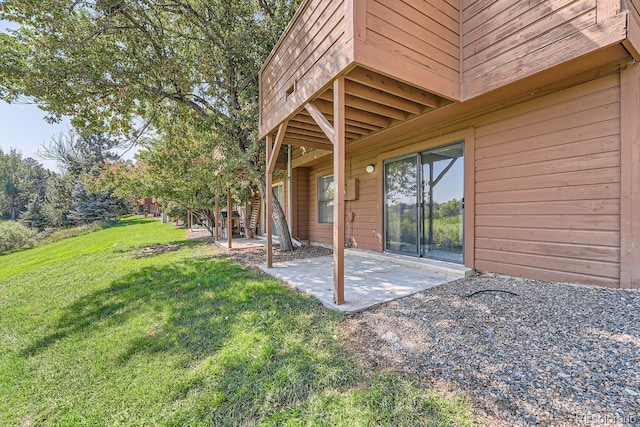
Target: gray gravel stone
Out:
[554,354]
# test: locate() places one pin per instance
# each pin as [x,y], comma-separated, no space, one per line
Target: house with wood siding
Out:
[500,134]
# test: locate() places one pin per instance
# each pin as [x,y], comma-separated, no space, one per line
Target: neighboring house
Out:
[147,206]
[501,134]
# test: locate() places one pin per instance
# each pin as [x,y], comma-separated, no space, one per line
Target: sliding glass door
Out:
[424,204]
[401,205]
[442,203]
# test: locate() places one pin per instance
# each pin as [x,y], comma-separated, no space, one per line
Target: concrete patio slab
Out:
[369,280]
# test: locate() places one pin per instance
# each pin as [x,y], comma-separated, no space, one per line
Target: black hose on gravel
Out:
[490,290]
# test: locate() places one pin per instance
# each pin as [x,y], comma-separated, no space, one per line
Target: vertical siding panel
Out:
[630,177]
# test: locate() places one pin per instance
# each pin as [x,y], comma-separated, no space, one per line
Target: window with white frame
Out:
[325,199]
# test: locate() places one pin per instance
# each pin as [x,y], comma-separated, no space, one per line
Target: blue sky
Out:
[23,127]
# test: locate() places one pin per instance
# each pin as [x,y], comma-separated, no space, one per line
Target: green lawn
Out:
[93,334]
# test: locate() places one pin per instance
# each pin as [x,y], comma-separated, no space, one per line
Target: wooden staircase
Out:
[255,214]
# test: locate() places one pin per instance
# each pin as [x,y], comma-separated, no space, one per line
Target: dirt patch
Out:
[159,249]
[257,256]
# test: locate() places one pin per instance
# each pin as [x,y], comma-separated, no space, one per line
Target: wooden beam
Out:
[351,125]
[269,202]
[321,120]
[339,186]
[630,178]
[217,218]
[304,134]
[326,107]
[368,106]
[374,107]
[393,87]
[381,97]
[299,126]
[308,144]
[309,157]
[271,162]
[229,218]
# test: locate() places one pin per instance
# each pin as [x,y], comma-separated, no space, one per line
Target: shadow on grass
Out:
[132,220]
[245,350]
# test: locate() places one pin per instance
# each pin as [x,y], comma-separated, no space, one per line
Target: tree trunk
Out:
[206,218]
[280,221]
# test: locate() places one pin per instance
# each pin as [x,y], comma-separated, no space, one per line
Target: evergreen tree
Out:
[34,216]
[92,207]
[58,199]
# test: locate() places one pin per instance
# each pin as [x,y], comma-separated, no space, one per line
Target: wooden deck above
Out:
[416,41]
[405,58]
[373,102]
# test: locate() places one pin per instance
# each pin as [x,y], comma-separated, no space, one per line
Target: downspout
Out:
[289,190]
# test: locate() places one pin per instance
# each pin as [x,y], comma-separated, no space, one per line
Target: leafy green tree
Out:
[175,211]
[20,179]
[106,64]
[450,208]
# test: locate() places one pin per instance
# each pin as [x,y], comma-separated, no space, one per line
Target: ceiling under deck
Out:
[373,102]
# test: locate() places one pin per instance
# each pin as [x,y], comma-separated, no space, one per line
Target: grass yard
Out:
[91,333]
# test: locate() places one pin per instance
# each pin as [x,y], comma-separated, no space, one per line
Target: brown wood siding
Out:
[632,44]
[509,39]
[423,32]
[633,6]
[312,51]
[361,215]
[321,233]
[301,208]
[548,188]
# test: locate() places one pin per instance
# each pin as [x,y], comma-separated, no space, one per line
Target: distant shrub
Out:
[14,235]
[66,233]
[447,232]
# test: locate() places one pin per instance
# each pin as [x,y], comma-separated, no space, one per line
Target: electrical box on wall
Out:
[352,189]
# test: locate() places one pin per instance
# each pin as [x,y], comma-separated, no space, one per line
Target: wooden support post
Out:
[339,186]
[630,178]
[269,199]
[273,149]
[229,218]
[217,217]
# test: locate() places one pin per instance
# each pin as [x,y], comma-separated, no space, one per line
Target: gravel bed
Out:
[554,354]
[523,352]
